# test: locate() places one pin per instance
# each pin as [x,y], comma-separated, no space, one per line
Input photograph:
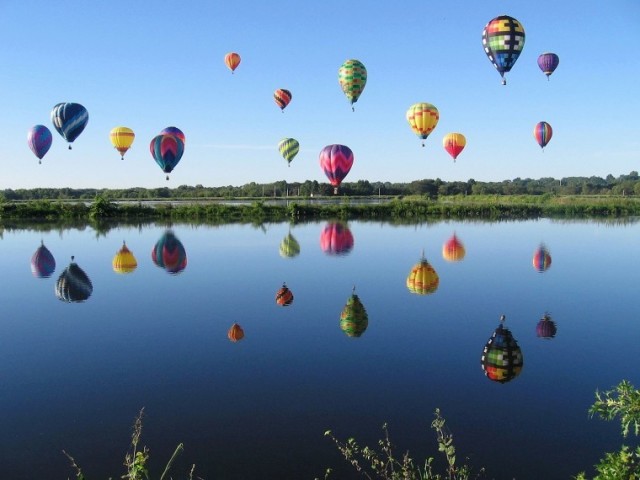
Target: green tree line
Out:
[610,185]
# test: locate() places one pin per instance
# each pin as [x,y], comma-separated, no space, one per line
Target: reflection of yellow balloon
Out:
[423,118]
[122,139]
[423,279]
[124,261]
[453,250]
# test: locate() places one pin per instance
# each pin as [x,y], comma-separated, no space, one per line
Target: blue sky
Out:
[148,65]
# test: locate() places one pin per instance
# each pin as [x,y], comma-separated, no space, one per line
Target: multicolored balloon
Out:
[235,333]
[289,148]
[39,139]
[69,120]
[336,162]
[176,132]
[352,76]
[546,327]
[453,250]
[502,359]
[548,62]
[282,98]
[542,132]
[167,151]
[503,40]
[169,253]
[423,279]
[336,239]
[42,262]
[541,259]
[454,143]
[289,247]
[423,118]
[353,318]
[284,296]
[124,261]
[122,138]
[232,60]
[73,285]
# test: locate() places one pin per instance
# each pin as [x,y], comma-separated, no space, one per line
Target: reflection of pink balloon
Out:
[336,239]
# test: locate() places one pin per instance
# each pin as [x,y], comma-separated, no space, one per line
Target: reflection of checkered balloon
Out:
[502,359]
[503,40]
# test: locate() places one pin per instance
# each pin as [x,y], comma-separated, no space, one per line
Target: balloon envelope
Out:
[39,139]
[169,253]
[167,151]
[352,76]
[235,333]
[42,262]
[124,261]
[454,143]
[541,259]
[423,118]
[122,138]
[73,285]
[546,327]
[354,319]
[232,60]
[336,239]
[289,148]
[542,132]
[289,247]
[176,132]
[282,98]
[69,120]
[453,250]
[284,296]
[548,62]
[503,40]
[502,358]
[336,162]
[423,279]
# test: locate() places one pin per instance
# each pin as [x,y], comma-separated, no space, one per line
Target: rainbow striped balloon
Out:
[542,132]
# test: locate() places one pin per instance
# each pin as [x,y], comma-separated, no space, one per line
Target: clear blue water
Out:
[73,376]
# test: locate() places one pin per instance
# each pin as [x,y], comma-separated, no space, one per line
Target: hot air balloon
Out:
[232,60]
[548,62]
[353,318]
[169,253]
[73,285]
[501,359]
[453,250]
[176,132]
[124,261]
[167,151]
[39,139]
[423,279]
[69,120]
[454,143]
[235,333]
[289,247]
[282,98]
[423,118]
[542,132]
[42,262]
[503,41]
[352,76]
[336,161]
[541,259]
[122,138]
[336,239]
[289,148]
[284,296]
[546,327]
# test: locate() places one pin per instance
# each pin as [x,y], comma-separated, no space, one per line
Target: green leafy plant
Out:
[383,463]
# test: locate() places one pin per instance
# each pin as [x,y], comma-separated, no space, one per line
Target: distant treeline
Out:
[622,185]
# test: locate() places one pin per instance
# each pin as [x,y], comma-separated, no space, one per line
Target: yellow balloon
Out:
[423,118]
[124,261]
[122,139]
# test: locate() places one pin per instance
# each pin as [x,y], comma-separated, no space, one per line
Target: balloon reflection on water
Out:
[289,247]
[541,259]
[502,358]
[284,296]
[42,262]
[353,318]
[453,250]
[124,261]
[336,239]
[546,327]
[423,279]
[73,285]
[169,253]
[235,333]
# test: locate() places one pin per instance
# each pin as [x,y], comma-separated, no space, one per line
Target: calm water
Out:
[74,375]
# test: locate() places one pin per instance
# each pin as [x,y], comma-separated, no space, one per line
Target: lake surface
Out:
[74,375]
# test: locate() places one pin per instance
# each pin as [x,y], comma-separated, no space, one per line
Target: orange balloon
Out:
[232,60]
[235,333]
